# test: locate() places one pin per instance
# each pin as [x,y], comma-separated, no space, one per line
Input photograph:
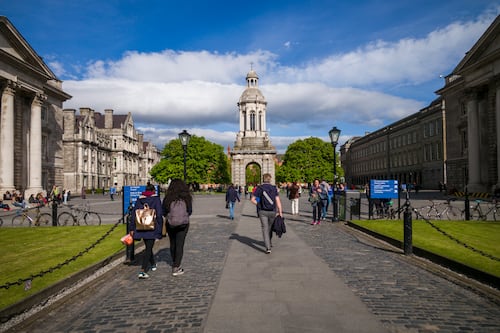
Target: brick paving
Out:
[404,297]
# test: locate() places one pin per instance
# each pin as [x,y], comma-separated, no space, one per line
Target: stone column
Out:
[7,139]
[473,145]
[497,116]
[35,146]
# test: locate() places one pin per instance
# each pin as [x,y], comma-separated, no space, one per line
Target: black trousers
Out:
[148,254]
[177,236]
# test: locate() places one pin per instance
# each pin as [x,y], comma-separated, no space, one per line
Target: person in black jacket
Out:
[231,197]
[150,198]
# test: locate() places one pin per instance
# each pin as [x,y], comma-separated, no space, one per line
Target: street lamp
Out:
[334,138]
[184,136]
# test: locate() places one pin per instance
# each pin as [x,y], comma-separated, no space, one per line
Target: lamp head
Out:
[184,136]
[334,135]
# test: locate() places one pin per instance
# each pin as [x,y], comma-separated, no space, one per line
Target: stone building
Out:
[103,150]
[252,147]
[409,150]
[31,122]
[472,101]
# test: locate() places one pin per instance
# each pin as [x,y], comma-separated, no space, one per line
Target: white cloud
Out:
[171,90]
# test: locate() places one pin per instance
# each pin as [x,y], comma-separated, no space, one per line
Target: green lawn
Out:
[29,251]
[484,236]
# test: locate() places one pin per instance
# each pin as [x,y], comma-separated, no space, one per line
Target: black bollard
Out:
[467,205]
[54,213]
[408,247]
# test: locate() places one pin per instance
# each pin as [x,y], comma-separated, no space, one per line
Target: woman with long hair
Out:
[177,222]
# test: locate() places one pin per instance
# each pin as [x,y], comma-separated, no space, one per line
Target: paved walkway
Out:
[317,279]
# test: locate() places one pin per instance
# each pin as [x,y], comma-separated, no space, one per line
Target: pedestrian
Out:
[323,194]
[149,198]
[316,202]
[65,196]
[177,191]
[112,192]
[268,207]
[294,195]
[231,197]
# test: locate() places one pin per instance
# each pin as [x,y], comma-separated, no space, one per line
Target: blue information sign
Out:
[383,189]
[130,195]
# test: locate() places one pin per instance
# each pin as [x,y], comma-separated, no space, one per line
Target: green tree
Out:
[205,162]
[306,160]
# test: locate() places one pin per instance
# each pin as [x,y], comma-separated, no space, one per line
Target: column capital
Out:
[39,99]
[9,87]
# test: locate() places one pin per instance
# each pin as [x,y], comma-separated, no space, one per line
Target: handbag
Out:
[145,218]
[227,204]
[127,240]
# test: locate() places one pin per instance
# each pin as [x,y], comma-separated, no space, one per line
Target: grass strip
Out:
[29,251]
[483,236]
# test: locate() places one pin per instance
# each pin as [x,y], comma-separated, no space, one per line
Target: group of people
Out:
[177,191]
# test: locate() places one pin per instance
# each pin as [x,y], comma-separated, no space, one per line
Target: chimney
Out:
[108,118]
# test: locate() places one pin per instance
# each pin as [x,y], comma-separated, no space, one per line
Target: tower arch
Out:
[252,145]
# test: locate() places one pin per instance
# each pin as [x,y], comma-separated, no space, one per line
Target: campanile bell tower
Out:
[252,145]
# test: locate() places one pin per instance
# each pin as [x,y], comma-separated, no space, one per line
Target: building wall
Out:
[409,150]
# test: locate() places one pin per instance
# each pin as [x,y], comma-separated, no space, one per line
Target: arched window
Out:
[252,121]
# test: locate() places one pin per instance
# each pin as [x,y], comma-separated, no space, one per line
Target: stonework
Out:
[103,150]
[31,120]
[252,145]
[42,145]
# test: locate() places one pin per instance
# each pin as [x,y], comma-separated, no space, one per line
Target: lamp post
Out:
[334,138]
[184,137]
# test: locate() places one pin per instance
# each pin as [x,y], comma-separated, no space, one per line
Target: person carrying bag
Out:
[146,224]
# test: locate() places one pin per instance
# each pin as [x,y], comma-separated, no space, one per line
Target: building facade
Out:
[104,150]
[31,117]
[252,146]
[409,150]
[472,102]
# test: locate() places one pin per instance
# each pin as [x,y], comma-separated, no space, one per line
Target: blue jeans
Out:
[231,209]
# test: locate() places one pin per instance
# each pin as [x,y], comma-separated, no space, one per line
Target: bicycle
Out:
[77,214]
[22,217]
[430,212]
[451,212]
[476,212]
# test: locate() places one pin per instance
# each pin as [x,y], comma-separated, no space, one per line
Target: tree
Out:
[205,162]
[306,160]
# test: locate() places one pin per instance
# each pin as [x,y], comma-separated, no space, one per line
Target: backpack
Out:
[266,201]
[178,214]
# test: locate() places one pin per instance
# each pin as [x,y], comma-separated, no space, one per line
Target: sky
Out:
[175,65]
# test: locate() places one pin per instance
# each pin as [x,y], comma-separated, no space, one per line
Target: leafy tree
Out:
[306,160]
[205,162]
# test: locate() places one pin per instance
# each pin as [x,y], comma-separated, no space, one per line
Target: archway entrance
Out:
[253,173]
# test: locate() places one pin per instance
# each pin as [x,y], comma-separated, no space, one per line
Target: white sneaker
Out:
[176,271]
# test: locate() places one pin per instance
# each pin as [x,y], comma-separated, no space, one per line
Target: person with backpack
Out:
[148,199]
[269,206]
[177,207]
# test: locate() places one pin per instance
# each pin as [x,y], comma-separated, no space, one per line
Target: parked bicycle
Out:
[23,218]
[476,210]
[450,211]
[77,214]
[430,212]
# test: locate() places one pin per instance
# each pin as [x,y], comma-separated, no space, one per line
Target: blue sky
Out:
[357,65]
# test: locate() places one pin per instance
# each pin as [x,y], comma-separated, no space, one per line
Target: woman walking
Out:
[177,207]
[150,199]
